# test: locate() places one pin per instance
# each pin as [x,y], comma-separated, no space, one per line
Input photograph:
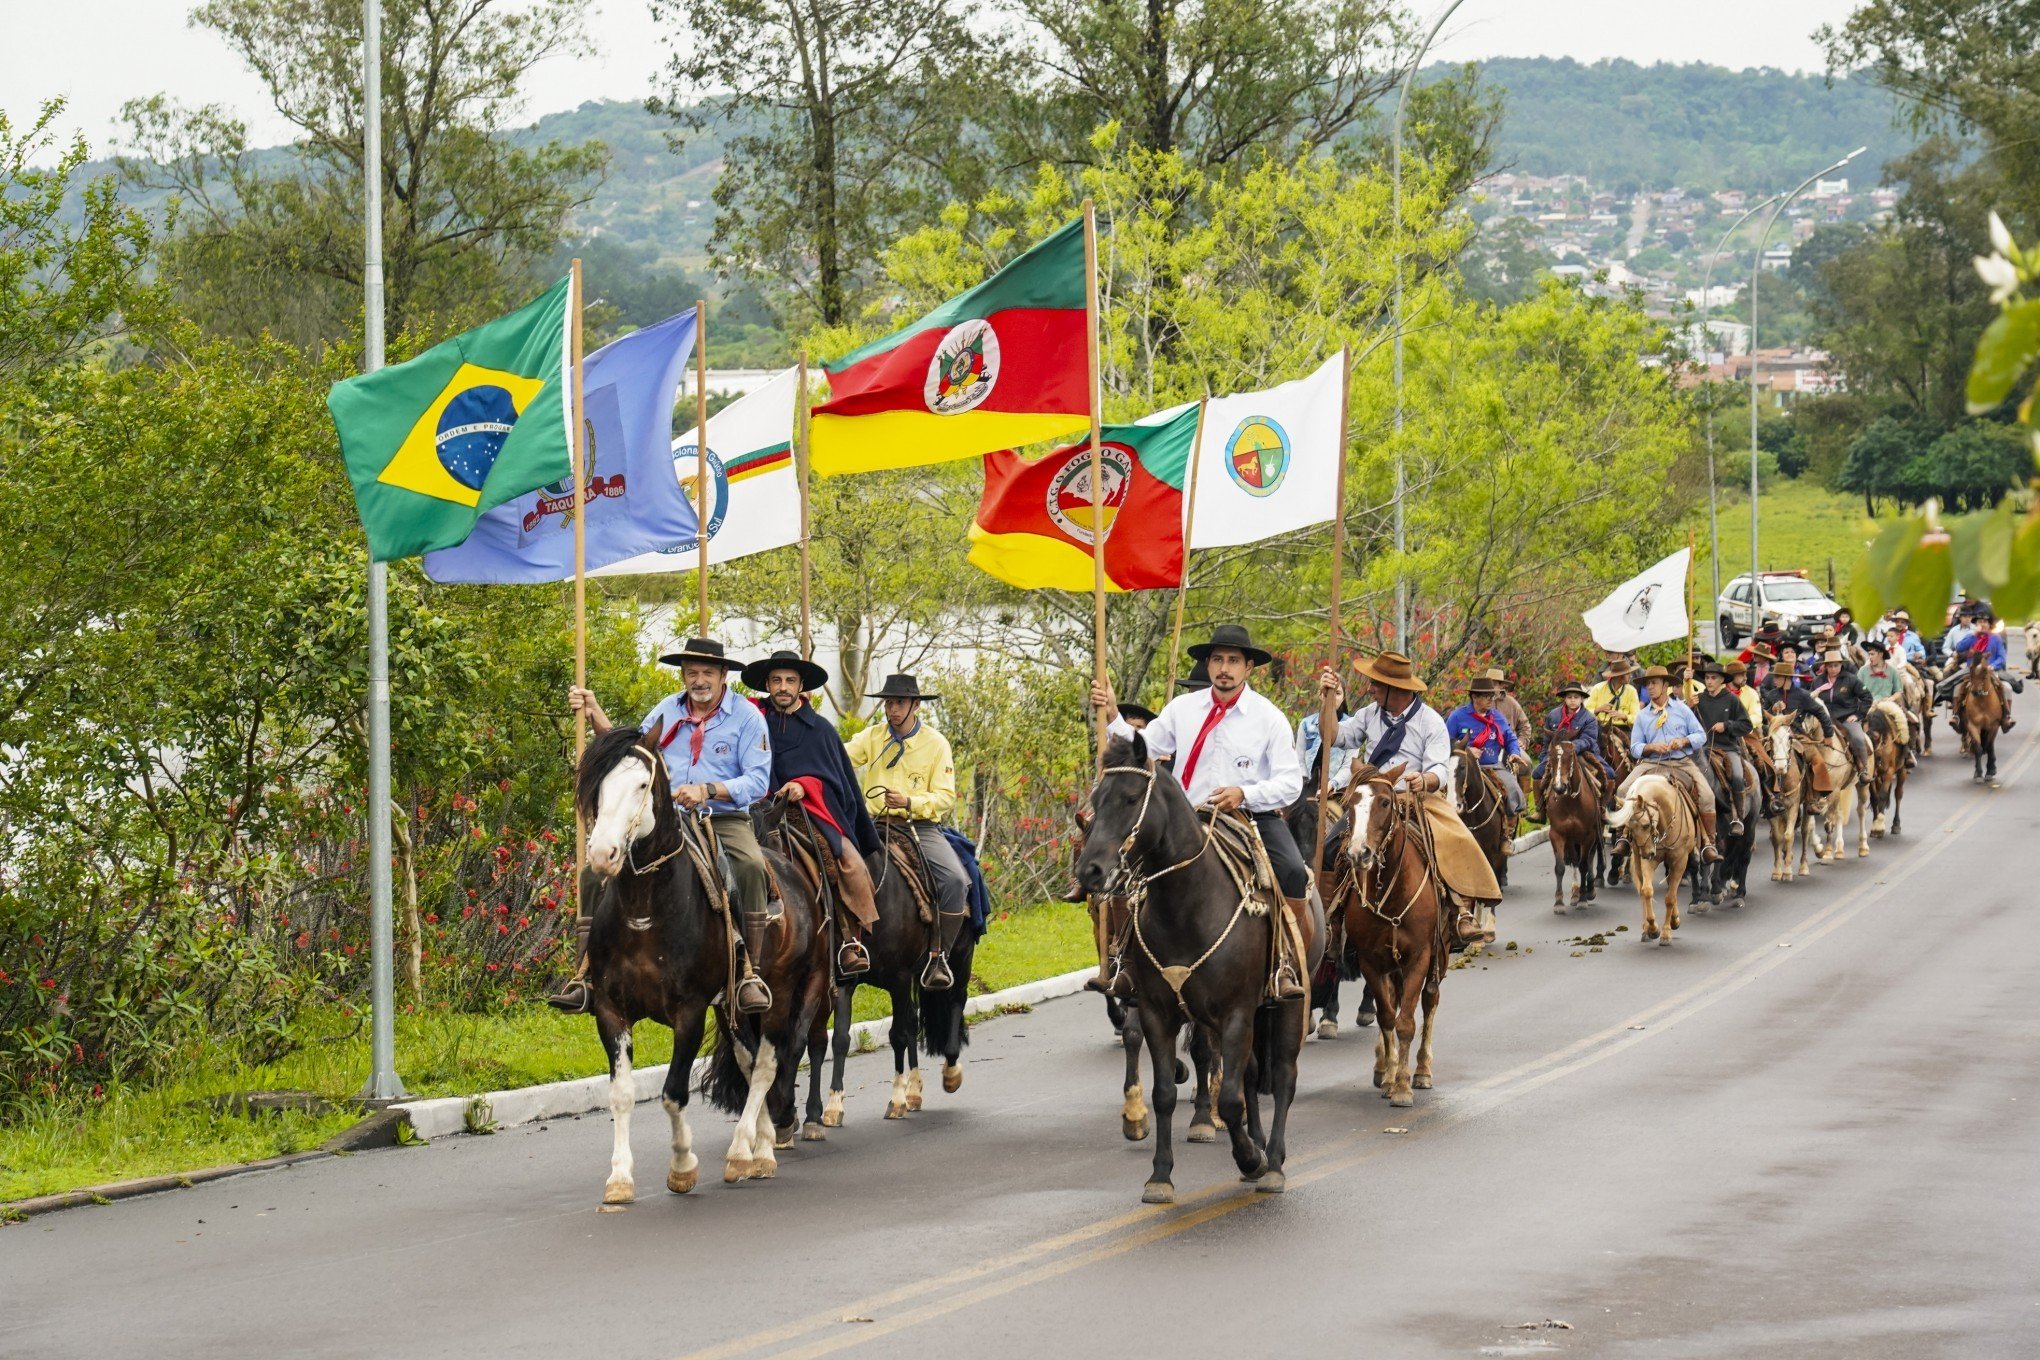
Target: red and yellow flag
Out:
[1034,527]
[1004,364]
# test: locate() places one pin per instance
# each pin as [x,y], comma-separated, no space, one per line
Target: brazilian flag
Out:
[434,443]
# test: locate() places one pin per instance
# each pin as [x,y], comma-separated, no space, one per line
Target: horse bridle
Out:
[1135,893]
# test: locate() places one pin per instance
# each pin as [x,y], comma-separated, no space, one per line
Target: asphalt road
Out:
[1809,1127]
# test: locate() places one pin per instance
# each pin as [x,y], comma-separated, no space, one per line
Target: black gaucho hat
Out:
[1234,636]
[701,649]
[1140,711]
[812,677]
[1199,678]
[898,686]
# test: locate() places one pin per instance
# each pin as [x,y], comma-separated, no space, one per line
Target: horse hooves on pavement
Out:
[1158,1192]
[832,1119]
[1327,1029]
[1274,1183]
[895,1109]
[734,1169]
[952,1078]
[782,1138]
[1665,940]
[1133,1130]
[1202,1133]
[812,1132]
[1258,1170]
[1377,1078]
[1182,1072]
[617,1193]
[1402,1100]
[682,1182]
[1421,1081]
[764,1169]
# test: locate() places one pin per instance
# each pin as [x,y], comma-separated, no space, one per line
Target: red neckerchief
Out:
[1490,731]
[1565,718]
[1211,720]
[695,737]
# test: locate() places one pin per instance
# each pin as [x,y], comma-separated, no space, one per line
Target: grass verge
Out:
[170,1127]
[1801,526]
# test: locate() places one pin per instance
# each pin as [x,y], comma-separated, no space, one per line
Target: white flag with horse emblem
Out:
[1269,461]
[754,488]
[1648,607]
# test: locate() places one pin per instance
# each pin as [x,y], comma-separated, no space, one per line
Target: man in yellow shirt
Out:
[1614,701]
[909,777]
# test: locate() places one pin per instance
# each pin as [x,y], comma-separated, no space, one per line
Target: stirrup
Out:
[575,997]
[1287,986]
[853,959]
[753,996]
[936,975]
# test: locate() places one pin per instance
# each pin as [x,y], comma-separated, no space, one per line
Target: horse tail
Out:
[941,1017]
[724,1084]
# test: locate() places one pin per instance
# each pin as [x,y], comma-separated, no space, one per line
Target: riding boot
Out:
[1288,981]
[575,996]
[937,976]
[1466,925]
[753,996]
[859,898]
[1708,853]
[1487,924]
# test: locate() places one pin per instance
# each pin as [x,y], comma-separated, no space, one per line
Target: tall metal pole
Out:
[1707,282]
[383,1083]
[1756,271]
[1402,583]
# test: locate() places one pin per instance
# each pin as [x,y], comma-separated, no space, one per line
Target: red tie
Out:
[1218,710]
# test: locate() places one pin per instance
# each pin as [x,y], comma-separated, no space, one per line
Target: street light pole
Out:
[1707,282]
[1756,271]
[1402,583]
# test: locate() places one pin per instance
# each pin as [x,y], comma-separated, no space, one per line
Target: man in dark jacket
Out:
[1848,703]
[1726,722]
[1783,694]
[809,767]
[1571,722]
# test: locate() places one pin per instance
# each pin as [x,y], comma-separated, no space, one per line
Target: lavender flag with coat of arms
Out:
[635,504]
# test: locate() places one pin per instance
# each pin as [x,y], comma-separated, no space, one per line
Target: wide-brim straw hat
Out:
[1501,678]
[1235,637]
[1617,670]
[1655,673]
[900,686]
[702,649]
[812,677]
[1392,669]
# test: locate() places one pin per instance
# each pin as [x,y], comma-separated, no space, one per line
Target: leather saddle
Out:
[903,853]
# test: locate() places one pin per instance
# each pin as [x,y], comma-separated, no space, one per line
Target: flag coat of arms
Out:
[1033,527]
[634,505]
[1004,364]
[1648,607]
[754,484]
[434,443]
[1270,460]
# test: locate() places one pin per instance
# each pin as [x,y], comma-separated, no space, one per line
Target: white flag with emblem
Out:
[1269,461]
[754,486]
[1648,607]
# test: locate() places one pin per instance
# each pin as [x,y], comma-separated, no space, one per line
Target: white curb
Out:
[446,1115]
[1530,842]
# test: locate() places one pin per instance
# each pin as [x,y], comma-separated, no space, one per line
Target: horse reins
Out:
[1135,892]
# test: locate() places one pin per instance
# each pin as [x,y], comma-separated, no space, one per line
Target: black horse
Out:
[899,952]
[1324,984]
[659,949]
[1197,951]
[1727,883]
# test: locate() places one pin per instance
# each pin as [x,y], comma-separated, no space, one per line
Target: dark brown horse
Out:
[1887,784]
[660,949]
[1570,798]
[1482,808]
[1979,709]
[1396,924]
[1200,953]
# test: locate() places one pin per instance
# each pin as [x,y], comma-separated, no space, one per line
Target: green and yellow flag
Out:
[481,419]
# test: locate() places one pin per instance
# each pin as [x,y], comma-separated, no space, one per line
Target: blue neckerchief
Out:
[1392,731]
[901,742]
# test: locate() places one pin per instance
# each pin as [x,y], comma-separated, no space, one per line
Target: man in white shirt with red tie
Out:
[1231,748]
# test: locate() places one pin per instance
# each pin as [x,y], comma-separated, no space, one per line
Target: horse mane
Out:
[603,755]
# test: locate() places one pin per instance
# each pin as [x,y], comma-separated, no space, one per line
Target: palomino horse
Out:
[1200,953]
[1396,924]
[1887,785]
[1829,814]
[1482,808]
[899,951]
[659,949]
[1979,708]
[1571,802]
[1662,831]
[1794,790]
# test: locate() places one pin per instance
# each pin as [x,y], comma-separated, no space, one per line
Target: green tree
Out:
[274,242]
[1878,463]
[1508,262]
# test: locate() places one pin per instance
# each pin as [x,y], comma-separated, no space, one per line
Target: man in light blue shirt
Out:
[1307,746]
[1667,739]
[719,761]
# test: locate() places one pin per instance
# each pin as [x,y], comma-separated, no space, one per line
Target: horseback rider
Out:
[809,767]
[1231,749]
[1667,739]
[1399,728]
[719,762]
[1885,684]
[1307,748]
[1506,702]
[1736,676]
[1734,672]
[1986,641]
[1726,723]
[1614,702]
[907,774]
[1848,703]
[1571,722]
[1782,693]
[1493,742]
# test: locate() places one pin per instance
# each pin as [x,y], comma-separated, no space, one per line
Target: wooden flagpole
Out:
[1689,617]
[1328,709]
[704,476]
[800,453]
[1097,478]
[1189,521]
[578,457]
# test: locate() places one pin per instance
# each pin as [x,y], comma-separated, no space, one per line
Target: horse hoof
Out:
[1327,1029]
[1133,1130]
[1182,1072]
[1665,939]
[682,1182]
[1377,1076]
[1158,1192]
[952,1079]
[1202,1133]
[1363,1019]
[783,1138]
[1402,1100]
[832,1117]
[1558,908]
[1421,1081]
[1274,1183]
[734,1169]
[913,1103]
[764,1169]
[1649,934]
[811,1132]
[618,1192]
[895,1109]
[1258,1169]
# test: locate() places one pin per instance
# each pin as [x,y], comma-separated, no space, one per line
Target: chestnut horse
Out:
[1396,923]
[1662,831]
[1979,709]
[1570,799]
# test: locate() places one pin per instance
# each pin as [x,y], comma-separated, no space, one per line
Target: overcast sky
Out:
[98,53]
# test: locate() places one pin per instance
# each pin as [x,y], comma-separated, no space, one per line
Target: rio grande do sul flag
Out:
[1002,365]
[1269,461]
[433,443]
[754,485]
[1033,527]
